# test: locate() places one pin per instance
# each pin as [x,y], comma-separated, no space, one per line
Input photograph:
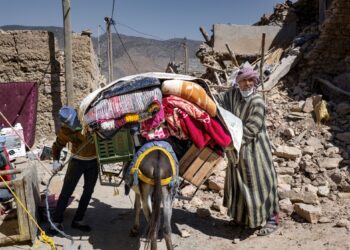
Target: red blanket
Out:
[187,121]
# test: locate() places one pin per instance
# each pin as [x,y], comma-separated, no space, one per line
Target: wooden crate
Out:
[197,165]
[26,187]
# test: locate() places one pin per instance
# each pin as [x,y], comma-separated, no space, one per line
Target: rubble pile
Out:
[278,16]
[310,137]
[280,58]
[312,162]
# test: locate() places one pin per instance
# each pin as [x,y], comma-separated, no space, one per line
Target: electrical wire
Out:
[113,9]
[140,32]
[123,45]
[102,28]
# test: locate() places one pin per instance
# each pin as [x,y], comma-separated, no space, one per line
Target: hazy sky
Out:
[163,19]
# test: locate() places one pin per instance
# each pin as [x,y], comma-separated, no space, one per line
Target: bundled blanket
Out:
[186,121]
[125,87]
[191,92]
[154,128]
[118,106]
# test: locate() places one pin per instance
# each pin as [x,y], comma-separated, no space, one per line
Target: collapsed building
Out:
[306,59]
[310,35]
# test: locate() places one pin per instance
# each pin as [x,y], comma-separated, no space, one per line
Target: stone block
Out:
[309,212]
[288,152]
[329,163]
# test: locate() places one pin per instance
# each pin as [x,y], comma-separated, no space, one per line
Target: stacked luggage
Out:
[134,110]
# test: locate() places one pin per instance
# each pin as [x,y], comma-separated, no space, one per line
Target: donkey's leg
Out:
[137,209]
[146,196]
[167,211]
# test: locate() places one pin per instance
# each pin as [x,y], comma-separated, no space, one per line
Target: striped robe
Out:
[251,185]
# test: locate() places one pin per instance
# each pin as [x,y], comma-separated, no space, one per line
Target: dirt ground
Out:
[111,218]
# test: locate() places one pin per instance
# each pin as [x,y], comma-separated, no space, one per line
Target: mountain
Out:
[146,54]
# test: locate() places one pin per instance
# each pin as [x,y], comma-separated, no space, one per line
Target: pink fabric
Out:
[153,122]
[18,103]
[187,121]
[160,133]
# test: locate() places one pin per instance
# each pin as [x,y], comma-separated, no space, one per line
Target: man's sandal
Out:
[268,229]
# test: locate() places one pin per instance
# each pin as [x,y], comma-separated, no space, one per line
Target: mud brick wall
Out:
[34,56]
[331,54]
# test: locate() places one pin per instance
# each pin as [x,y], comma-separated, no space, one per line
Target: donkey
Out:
[155,171]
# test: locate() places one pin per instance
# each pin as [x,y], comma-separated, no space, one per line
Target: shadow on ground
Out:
[111,226]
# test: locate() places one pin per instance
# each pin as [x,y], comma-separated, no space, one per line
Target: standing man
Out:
[83,162]
[250,192]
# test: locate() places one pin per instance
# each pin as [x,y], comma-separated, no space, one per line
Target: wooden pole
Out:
[186,56]
[233,56]
[68,52]
[217,78]
[11,171]
[213,68]
[262,64]
[98,48]
[205,35]
[108,21]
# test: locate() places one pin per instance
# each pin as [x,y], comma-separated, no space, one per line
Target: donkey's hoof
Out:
[133,232]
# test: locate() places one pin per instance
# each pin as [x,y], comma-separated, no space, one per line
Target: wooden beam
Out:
[217,78]
[206,36]
[220,87]
[213,68]
[232,55]
[12,171]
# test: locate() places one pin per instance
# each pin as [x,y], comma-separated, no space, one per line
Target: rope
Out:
[43,237]
[49,215]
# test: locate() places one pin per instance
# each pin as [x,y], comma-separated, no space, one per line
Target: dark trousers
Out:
[5,194]
[76,169]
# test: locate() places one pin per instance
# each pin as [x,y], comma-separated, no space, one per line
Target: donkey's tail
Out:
[157,198]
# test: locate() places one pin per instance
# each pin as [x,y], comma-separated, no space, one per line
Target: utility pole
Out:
[98,48]
[68,52]
[186,55]
[109,21]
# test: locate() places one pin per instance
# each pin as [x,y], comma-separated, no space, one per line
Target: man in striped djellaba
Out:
[250,192]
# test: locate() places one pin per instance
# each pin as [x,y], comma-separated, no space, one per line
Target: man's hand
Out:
[56,166]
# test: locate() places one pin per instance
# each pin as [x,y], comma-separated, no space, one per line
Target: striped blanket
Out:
[118,106]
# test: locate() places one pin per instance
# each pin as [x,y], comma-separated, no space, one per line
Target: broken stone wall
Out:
[33,56]
[331,54]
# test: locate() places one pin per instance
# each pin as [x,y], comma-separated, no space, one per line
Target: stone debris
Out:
[184,233]
[324,220]
[286,206]
[287,152]
[310,213]
[236,241]
[342,223]
[203,212]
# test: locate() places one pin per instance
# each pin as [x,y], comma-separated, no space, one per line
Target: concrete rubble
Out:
[312,160]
